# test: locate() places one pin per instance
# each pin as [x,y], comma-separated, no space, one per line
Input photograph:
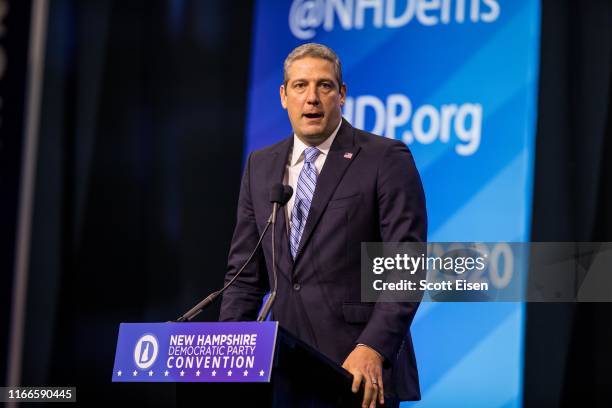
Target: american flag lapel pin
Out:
[348,155]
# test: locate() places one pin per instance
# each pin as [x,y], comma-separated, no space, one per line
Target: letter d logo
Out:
[145,352]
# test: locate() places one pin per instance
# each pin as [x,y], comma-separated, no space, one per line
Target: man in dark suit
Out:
[350,187]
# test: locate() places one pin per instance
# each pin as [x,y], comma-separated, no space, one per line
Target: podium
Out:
[233,364]
[301,377]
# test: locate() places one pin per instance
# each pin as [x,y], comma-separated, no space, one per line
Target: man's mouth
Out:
[313,115]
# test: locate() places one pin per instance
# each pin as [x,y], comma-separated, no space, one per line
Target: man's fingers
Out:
[369,392]
[366,366]
[381,390]
[374,396]
[356,382]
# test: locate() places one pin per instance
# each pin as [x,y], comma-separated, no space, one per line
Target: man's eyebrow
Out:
[292,81]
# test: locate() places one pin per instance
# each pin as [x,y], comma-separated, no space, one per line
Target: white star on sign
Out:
[214,373]
[261,373]
[166,373]
[245,373]
[151,373]
[229,373]
[198,373]
[135,373]
[119,373]
[182,373]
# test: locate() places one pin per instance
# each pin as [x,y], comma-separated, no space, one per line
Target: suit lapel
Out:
[341,154]
[278,164]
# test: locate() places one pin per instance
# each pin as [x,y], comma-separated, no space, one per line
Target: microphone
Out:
[279,195]
[287,193]
[284,194]
[277,192]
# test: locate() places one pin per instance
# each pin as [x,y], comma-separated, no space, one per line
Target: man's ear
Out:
[283,96]
[342,94]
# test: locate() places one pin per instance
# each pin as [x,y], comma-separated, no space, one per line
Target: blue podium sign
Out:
[195,352]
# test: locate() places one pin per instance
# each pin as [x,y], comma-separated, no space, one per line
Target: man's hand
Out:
[366,366]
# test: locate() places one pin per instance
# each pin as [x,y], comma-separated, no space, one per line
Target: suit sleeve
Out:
[242,300]
[402,218]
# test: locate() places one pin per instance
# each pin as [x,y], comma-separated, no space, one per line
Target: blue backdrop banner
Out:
[456,81]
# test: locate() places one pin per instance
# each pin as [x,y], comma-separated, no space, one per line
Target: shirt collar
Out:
[299,146]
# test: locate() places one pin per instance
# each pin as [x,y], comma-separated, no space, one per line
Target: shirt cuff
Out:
[365,345]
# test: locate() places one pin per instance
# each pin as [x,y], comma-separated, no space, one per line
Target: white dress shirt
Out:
[296,162]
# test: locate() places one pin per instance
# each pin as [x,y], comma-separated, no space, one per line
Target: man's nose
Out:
[312,97]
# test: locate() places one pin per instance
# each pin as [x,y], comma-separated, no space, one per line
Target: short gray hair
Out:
[313,50]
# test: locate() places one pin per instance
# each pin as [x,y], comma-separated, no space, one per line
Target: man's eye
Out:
[326,85]
[298,85]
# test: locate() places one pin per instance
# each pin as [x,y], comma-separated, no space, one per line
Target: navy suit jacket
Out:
[371,194]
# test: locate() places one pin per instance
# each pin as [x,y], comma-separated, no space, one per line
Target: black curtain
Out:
[568,356]
[139,169]
[14,39]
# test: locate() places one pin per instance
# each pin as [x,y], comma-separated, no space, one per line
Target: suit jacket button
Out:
[296,286]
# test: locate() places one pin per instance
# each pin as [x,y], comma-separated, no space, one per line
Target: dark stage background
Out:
[138,175]
[140,157]
[567,356]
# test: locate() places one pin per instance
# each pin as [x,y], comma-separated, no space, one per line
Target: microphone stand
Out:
[279,196]
[266,307]
[194,311]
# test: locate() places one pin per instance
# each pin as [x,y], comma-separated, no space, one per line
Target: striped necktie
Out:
[307,181]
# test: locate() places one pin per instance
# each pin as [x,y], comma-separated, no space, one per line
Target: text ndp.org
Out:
[395,118]
[307,16]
